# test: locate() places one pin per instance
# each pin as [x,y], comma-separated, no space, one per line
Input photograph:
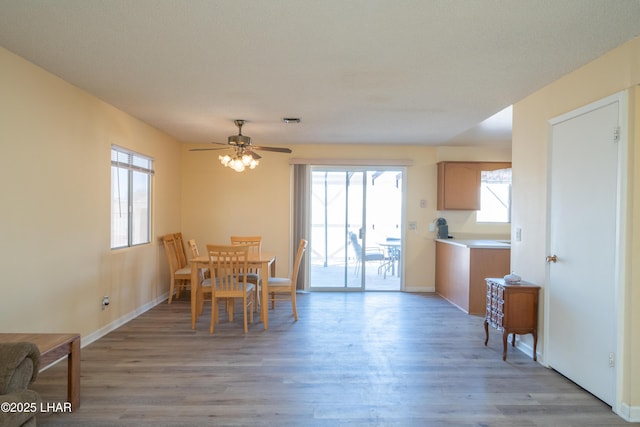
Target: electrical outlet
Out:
[518,234]
[105,302]
[432,227]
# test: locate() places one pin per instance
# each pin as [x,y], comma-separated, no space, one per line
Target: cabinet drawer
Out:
[496,320]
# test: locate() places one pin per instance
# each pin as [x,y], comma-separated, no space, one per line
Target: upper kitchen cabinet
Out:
[459,184]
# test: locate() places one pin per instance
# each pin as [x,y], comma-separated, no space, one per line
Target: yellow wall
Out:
[616,71]
[55,258]
[218,202]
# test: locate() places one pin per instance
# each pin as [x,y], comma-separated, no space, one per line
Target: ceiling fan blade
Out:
[209,149]
[276,149]
[255,156]
[226,145]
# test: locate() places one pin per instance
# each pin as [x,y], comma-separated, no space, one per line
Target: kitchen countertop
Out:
[478,243]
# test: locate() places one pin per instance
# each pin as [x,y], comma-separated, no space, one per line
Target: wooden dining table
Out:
[265,261]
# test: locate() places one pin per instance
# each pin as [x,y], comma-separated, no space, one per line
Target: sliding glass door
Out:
[355,236]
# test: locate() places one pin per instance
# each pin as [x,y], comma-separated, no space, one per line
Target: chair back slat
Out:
[227,264]
[169,243]
[253,242]
[181,254]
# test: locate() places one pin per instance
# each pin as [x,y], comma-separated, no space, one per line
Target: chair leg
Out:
[244,313]
[171,288]
[256,297]
[293,304]
[200,298]
[214,314]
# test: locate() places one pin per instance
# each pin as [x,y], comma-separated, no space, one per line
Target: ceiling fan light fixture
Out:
[239,161]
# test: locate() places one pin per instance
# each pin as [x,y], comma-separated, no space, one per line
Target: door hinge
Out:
[616,134]
[612,360]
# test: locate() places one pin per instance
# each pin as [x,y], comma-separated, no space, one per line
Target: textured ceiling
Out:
[355,71]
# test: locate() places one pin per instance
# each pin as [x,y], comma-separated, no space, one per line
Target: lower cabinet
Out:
[461,270]
[512,309]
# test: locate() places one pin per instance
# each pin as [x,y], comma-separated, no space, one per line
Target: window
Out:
[495,196]
[130,198]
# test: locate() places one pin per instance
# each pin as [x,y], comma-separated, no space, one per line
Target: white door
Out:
[582,225]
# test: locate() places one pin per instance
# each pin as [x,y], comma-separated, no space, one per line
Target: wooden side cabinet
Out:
[512,309]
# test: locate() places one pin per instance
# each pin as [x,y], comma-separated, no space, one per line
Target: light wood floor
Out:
[353,359]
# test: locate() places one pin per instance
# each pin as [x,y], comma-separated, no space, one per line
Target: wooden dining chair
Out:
[226,264]
[286,286]
[255,246]
[178,267]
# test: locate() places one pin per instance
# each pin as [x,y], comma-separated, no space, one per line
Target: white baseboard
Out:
[525,348]
[94,336]
[416,289]
[629,413]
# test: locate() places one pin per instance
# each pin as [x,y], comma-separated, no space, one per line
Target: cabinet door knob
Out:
[552,258]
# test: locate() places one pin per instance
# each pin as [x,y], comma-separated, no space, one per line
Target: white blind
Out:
[127,159]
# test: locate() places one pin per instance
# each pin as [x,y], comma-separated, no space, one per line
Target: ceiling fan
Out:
[243,142]
[244,155]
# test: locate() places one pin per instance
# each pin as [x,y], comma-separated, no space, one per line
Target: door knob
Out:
[552,258]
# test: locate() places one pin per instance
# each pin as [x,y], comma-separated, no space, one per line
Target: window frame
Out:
[131,163]
[508,198]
